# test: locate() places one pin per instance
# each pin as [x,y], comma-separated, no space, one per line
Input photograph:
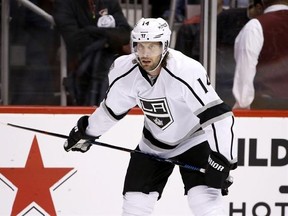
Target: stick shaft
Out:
[65,137]
[187,166]
[39,131]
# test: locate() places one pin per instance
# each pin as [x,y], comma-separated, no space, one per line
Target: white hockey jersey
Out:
[181,108]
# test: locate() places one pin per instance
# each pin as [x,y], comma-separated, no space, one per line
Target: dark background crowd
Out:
[93,40]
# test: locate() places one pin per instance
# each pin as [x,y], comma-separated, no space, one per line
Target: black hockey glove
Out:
[217,172]
[78,140]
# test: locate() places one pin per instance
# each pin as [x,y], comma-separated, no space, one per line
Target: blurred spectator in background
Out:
[158,7]
[161,8]
[33,50]
[95,33]
[229,24]
[179,11]
[261,54]
[188,35]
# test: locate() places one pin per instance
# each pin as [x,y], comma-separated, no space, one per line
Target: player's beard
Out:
[149,64]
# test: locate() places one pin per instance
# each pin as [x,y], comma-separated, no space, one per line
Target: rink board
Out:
[54,182]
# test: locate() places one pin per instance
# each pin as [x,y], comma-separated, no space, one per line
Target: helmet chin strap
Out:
[150,71]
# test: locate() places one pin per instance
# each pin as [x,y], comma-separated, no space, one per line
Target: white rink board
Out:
[94,184]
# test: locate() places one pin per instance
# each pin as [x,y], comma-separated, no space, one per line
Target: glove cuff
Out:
[82,125]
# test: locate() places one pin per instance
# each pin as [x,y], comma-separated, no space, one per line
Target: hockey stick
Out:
[175,162]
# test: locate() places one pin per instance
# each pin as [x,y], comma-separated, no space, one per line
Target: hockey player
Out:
[185,120]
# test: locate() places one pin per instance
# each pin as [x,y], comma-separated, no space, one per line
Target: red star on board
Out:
[33,182]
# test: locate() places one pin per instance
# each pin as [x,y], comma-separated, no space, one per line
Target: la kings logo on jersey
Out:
[157,111]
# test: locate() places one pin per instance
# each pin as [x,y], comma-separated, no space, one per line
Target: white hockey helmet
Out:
[151,30]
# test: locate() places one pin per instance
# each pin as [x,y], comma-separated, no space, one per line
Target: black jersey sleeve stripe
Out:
[125,74]
[186,84]
[232,137]
[110,111]
[213,112]
[215,137]
[117,117]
